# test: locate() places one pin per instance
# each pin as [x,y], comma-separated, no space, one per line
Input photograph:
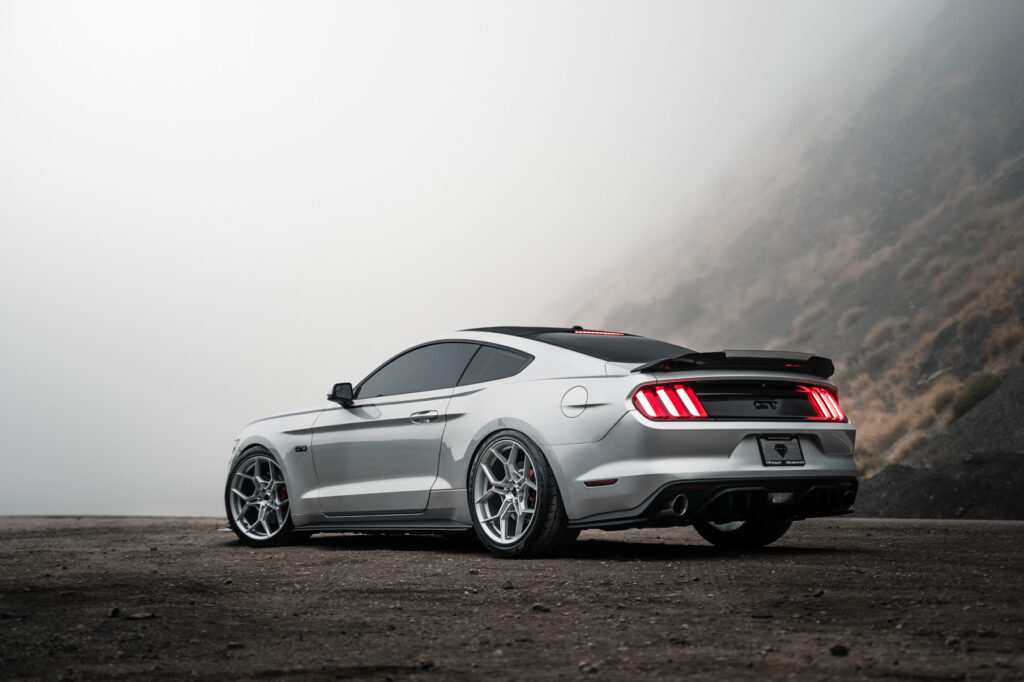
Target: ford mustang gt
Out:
[526,435]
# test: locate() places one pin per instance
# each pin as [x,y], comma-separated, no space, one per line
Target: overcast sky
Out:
[212,211]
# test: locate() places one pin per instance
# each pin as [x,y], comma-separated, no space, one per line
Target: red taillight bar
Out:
[678,401]
[668,401]
[824,404]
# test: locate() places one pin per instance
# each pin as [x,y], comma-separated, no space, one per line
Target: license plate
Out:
[781,451]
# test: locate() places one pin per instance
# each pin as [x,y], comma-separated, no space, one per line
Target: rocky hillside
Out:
[972,472]
[887,233]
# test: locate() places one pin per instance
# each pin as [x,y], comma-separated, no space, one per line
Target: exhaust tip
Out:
[848,498]
[680,504]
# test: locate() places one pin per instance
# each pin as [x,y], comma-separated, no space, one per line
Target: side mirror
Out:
[341,394]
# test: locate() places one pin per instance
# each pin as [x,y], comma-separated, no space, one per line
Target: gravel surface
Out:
[838,598]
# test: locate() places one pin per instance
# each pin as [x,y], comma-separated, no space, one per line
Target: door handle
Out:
[423,417]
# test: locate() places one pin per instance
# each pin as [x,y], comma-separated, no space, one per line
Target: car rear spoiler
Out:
[768,360]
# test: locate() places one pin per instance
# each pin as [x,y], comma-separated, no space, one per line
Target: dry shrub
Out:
[926,421]
[947,279]
[876,362]
[804,321]
[998,310]
[973,237]
[913,444]
[915,266]
[936,266]
[860,269]
[851,316]
[958,300]
[942,396]
[925,322]
[884,332]
[896,430]
[977,388]
[973,321]
[1003,340]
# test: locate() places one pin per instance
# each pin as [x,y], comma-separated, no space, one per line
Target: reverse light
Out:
[669,401]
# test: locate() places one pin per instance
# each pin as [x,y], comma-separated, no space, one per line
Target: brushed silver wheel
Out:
[258,498]
[505,491]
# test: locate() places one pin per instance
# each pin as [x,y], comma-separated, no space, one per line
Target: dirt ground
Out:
[87,598]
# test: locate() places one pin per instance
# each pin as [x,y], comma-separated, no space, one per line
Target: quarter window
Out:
[491,363]
[426,368]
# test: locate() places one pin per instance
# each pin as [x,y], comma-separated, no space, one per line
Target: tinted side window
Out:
[493,363]
[426,368]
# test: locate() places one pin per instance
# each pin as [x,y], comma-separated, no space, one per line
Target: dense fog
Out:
[210,212]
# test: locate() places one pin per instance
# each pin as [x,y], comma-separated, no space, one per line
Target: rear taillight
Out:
[824,403]
[668,401]
[679,401]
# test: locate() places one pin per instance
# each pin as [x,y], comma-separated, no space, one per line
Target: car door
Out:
[380,454]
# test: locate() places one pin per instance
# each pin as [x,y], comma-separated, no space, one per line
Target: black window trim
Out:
[471,342]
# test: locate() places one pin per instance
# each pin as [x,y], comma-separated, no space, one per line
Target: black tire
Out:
[752,534]
[280,533]
[548,534]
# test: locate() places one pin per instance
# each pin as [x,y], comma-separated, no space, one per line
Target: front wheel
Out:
[747,534]
[514,501]
[257,503]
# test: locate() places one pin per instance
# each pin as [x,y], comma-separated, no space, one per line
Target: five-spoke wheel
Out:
[514,499]
[257,500]
[505,491]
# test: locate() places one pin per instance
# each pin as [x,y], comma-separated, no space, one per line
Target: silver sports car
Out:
[526,435]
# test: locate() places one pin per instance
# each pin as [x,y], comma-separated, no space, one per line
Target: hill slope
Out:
[889,235]
[974,472]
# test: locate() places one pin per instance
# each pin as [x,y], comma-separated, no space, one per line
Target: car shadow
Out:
[585,549]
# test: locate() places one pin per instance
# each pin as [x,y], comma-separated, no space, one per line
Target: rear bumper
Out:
[647,458]
[731,500]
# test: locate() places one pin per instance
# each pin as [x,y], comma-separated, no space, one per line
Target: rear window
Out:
[627,349]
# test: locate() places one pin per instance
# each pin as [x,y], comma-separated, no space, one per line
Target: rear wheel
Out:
[744,534]
[257,503]
[514,500]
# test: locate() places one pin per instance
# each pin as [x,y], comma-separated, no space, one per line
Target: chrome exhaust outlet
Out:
[848,497]
[680,504]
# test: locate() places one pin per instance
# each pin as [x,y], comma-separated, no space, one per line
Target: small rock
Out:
[227,581]
[474,571]
[839,650]
[236,645]
[140,616]
[390,627]
[499,652]
[952,641]
[426,664]
[540,608]
[115,612]
[819,593]
[507,585]
[152,549]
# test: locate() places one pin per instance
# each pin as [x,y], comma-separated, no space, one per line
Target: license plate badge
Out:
[781,451]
